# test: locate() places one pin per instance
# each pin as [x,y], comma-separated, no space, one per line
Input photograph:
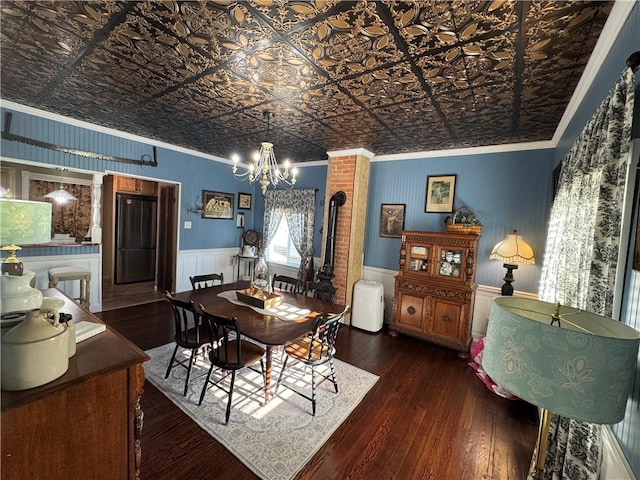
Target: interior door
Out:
[167,239]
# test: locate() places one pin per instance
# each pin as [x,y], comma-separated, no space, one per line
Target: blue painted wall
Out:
[506,191]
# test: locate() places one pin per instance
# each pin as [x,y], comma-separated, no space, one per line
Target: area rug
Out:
[262,436]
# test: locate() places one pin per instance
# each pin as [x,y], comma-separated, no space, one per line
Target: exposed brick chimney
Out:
[348,172]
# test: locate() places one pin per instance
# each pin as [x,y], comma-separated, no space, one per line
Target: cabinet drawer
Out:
[411,312]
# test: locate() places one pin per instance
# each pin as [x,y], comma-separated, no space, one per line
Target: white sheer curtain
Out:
[298,208]
[581,254]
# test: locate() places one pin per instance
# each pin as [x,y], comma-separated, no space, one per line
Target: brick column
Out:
[348,172]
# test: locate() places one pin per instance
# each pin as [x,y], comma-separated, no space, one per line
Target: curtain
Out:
[298,208]
[74,217]
[581,254]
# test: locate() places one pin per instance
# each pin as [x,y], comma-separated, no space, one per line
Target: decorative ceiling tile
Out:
[390,76]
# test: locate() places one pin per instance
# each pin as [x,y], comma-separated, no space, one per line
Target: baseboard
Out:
[614,463]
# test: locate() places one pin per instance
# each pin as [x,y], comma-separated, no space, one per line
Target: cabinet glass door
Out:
[418,258]
[450,263]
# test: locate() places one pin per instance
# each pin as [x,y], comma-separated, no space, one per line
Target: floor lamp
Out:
[512,250]
[566,361]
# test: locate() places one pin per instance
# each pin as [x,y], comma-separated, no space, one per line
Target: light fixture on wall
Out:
[198,206]
[21,223]
[512,250]
[264,168]
[564,360]
[60,195]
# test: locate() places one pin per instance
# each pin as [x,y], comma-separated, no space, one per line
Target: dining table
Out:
[272,331]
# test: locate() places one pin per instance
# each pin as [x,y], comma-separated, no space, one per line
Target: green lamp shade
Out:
[23,222]
[582,369]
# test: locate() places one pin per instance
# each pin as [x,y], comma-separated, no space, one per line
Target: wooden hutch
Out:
[435,287]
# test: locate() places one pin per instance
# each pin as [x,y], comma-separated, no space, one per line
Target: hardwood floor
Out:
[119,296]
[427,417]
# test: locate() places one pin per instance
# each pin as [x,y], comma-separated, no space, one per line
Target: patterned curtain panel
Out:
[581,254]
[73,218]
[298,207]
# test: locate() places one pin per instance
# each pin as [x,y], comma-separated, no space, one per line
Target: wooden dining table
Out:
[269,330]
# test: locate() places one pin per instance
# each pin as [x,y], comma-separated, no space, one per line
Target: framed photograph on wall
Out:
[244,201]
[391,220]
[440,192]
[217,205]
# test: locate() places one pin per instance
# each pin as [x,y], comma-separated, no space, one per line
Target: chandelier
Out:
[265,168]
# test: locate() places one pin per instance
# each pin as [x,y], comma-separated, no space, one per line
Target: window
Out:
[281,249]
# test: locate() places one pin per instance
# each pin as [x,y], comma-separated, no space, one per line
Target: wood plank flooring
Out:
[118,296]
[427,417]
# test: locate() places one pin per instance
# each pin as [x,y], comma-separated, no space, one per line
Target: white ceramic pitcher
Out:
[36,351]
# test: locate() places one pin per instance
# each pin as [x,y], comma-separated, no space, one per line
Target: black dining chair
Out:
[285,283]
[325,292]
[205,281]
[190,334]
[312,351]
[230,354]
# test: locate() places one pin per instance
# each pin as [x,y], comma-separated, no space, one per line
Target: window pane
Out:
[281,249]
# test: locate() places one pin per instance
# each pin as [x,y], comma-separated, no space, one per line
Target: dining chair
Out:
[204,281]
[312,351]
[190,334]
[285,283]
[324,292]
[231,353]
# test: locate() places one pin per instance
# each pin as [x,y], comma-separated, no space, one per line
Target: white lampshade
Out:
[513,249]
[60,195]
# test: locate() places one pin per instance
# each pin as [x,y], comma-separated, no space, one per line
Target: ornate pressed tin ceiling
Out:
[391,77]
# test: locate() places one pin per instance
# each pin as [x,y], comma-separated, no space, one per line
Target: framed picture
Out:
[244,201]
[217,204]
[440,193]
[391,220]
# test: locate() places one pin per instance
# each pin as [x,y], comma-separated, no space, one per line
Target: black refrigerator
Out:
[136,223]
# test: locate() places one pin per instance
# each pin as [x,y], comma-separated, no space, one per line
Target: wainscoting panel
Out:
[198,262]
[41,265]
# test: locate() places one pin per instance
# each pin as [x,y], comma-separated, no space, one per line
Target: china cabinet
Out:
[435,287]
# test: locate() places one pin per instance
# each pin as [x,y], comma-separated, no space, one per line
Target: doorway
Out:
[163,277]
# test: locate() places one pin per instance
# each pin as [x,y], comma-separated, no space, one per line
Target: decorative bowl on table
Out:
[258,298]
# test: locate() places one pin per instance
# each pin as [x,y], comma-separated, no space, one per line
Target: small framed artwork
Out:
[440,193]
[244,201]
[217,205]
[391,220]
[240,220]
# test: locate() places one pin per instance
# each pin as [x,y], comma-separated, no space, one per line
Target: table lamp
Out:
[21,223]
[564,360]
[512,250]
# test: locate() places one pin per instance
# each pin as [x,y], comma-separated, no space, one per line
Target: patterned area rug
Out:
[260,436]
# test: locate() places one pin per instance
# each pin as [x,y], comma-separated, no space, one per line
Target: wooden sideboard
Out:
[435,288]
[85,424]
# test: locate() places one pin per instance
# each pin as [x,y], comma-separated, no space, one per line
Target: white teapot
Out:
[36,351]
